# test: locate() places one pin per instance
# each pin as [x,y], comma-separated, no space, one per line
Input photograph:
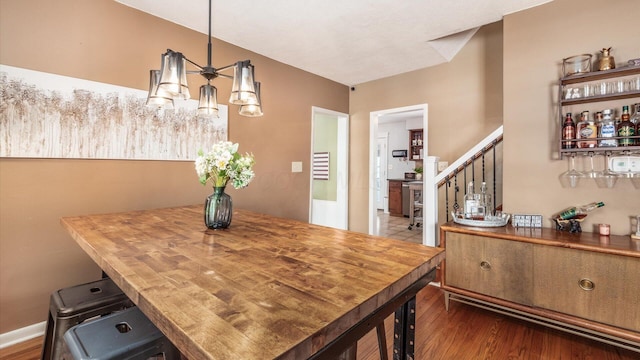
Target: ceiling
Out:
[347,41]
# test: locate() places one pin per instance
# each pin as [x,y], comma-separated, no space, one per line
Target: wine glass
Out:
[607,178]
[572,177]
[591,174]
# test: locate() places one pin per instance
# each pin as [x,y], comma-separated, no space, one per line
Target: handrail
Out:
[434,180]
[474,153]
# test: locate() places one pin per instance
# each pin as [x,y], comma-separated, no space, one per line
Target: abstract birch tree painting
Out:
[51,116]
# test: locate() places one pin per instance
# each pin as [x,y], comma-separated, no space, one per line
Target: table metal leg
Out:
[404,331]
[404,305]
[350,353]
[382,341]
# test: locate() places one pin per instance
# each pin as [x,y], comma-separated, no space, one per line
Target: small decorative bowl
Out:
[576,64]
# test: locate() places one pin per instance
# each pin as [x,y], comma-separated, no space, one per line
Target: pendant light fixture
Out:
[170,82]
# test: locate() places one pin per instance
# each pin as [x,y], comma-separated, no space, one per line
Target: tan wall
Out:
[465,104]
[104,41]
[535,42]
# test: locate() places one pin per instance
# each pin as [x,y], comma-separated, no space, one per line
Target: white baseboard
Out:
[23,334]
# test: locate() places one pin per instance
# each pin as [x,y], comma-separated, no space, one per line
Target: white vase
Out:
[418,176]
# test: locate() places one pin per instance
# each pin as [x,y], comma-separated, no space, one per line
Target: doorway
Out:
[329,176]
[397,114]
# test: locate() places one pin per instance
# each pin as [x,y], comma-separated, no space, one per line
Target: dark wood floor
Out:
[465,332]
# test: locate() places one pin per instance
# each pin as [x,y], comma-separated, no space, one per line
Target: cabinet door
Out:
[594,286]
[395,198]
[494,267]
[415,144]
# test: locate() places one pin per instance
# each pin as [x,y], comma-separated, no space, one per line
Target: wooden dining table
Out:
[265,288]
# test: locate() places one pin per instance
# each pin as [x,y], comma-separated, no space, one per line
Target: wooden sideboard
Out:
[582,283]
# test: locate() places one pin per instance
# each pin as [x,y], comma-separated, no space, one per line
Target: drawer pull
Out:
[586,284]
[485,265]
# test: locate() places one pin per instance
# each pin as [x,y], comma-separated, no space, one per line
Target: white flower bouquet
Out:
[224,163]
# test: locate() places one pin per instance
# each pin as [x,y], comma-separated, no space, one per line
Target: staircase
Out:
[444,191]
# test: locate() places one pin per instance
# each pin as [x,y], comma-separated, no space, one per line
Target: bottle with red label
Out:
[568,132]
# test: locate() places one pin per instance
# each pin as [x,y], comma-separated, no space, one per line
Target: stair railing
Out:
[446,182]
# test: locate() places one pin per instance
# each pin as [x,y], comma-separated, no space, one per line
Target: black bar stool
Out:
[74,305]
[127,334]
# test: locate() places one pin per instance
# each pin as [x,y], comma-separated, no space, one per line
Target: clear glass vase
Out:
[218,209]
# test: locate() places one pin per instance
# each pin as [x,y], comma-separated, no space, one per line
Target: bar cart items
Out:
[604,84]
[525,220]
[497,220]
[571,178]
[478,210]
[607,178]
[576,64]
[570,218]
[607,61]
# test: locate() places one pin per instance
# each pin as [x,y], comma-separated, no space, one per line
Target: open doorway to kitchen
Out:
[329,188]
[396,123]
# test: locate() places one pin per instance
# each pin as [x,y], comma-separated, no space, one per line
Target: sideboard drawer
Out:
[489,266]
[595,286]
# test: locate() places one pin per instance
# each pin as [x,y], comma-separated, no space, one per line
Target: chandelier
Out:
[170,82]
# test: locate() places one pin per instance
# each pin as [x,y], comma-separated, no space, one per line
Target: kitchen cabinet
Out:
[395,197]
[581,283]
[416,142]
[571,92]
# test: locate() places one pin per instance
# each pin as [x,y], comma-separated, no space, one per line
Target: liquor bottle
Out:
[471,202]
[568,132]
[586,129]
[607,129]
[635,119]
[574,211]
[626,128]
[486,199]
[597,118]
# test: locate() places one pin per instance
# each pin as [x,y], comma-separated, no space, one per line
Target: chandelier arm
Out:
[230,66]
[192,63]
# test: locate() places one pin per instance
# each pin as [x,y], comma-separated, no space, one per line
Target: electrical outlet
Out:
[296,166]
[442,165]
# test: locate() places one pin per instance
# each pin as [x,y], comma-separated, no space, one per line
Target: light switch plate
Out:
[442,165]
[296,166]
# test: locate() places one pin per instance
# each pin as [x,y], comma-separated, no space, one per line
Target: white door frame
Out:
[373,141]
[383,137]
[341,220]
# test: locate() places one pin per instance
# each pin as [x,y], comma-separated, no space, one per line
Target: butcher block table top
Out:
[265,288]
